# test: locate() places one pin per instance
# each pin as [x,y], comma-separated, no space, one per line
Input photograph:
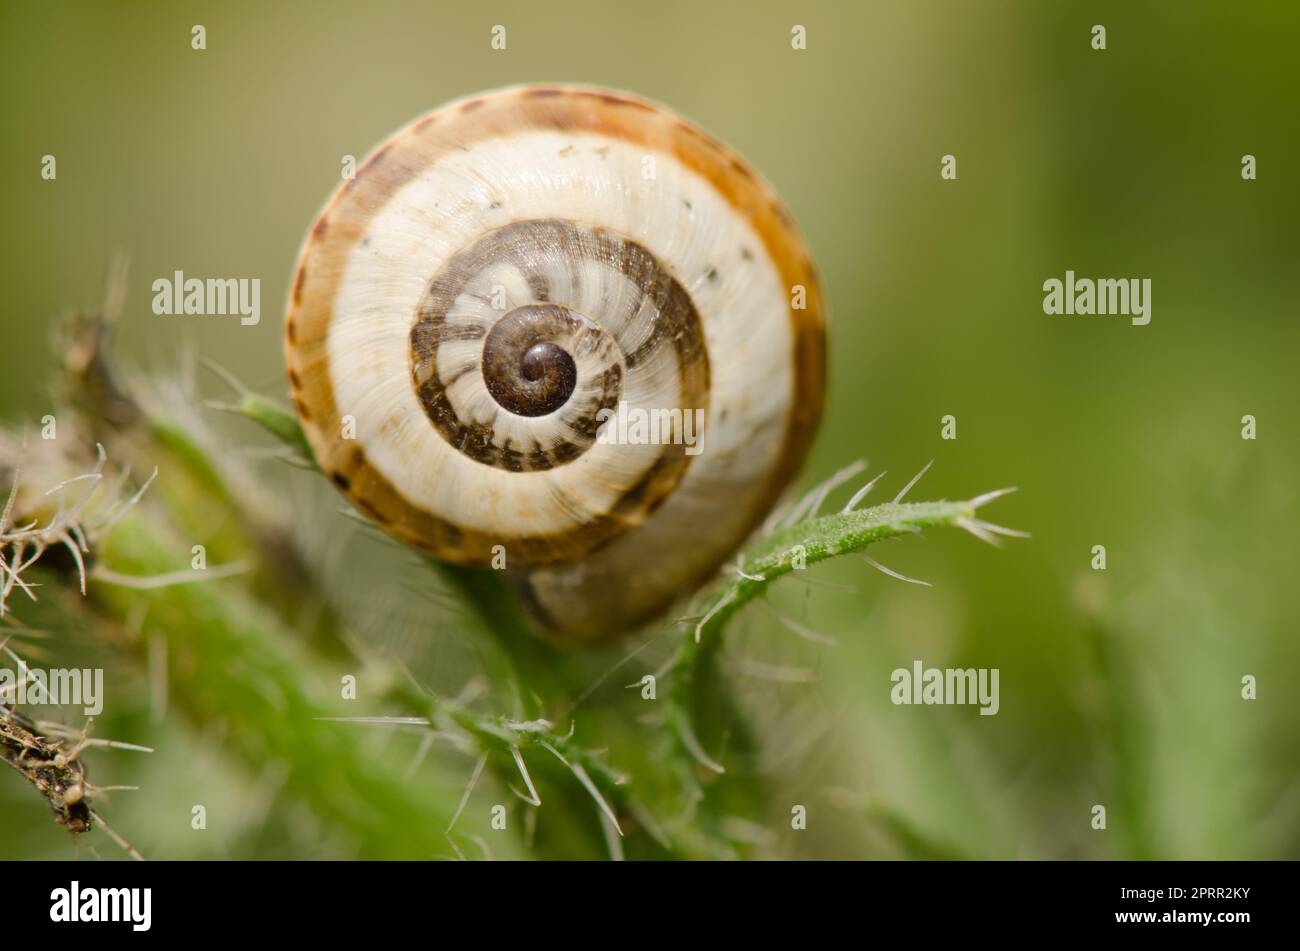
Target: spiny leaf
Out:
[791,549]
[828,537]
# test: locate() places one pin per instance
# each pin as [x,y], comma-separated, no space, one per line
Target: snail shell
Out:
[504,269]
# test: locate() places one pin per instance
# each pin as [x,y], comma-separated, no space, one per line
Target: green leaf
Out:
[793,549]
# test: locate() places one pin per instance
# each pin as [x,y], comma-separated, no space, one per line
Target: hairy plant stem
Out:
[229,661]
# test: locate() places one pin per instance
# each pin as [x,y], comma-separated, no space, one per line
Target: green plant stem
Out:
[229,660]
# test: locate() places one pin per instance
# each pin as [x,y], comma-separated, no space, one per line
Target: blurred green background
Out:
[1119,687]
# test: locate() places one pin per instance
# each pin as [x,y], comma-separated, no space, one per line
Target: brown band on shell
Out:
[528,246]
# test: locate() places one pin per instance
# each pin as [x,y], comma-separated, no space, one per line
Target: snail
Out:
[483,318]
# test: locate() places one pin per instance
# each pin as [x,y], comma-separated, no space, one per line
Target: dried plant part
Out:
[49,764]
[66,517]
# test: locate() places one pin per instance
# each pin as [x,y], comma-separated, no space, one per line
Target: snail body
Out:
[501,285]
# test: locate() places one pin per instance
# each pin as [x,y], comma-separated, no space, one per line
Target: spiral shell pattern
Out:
[510,273]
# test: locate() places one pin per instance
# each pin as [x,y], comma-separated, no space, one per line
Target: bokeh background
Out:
[1119,687]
